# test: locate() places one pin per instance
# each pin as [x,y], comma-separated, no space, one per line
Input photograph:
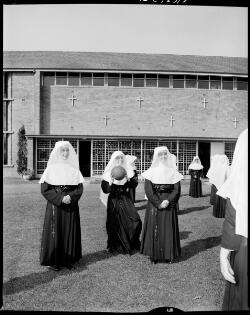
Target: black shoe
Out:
[69,266]
[54,268]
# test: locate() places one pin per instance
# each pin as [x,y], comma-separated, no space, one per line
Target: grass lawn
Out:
[104,282]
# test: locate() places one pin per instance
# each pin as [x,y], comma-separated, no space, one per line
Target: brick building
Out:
[101,102]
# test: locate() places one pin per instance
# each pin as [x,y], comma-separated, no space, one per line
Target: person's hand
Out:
[111,181]
[66,199]
[164,204]
[225,266]
[127,178]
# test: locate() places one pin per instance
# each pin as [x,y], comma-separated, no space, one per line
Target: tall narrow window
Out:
[61,78]
[151,80]
[178,81]
[113,79]
[227,83]
[203,82]
[191,81]
[215,82]
[126,79]
[138,80]
[48,78]
[242,83]
[73,78]
[98,79]
[86,79]
[163,80]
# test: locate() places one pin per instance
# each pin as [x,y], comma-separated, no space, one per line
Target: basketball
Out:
[118,172]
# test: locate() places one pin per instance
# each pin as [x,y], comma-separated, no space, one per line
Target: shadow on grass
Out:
[32,280]
[195,247]
[192,209]
[185,234]
[187,194]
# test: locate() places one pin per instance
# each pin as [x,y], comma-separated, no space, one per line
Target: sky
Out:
[163,29]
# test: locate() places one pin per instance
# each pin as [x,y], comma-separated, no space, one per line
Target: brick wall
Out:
[58,116]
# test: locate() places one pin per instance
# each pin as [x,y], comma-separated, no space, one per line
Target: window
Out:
[138,80]
[187,150]
[178,81]
[126,79]
[113,79]
[163,81]
[203,82]
[7,131]
[151,80]
[44,148]
[61,78]
[229,150]
[48,78]
[242,83]
[227,83]
[98,79]
[215,82]
[86,79]
[191,81]
[73,78]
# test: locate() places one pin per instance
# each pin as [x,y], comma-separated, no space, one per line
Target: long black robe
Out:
[160,236]
[123,223]
[236,295]
[213,194]
[132,189]
[219,207]
[61,236]
[195,189]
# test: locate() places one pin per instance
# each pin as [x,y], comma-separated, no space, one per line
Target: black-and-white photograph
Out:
[125,157]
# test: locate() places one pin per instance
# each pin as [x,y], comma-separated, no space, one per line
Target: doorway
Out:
[204,155]
[85,157]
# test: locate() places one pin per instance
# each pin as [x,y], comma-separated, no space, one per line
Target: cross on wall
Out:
[204,102]
[72,98]
[106,119]
[235,122]
[139,100]
[172,120]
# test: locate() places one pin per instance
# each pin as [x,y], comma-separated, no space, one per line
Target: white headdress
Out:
[107,173]
[160,173]
[130,159]
[196,164]
[235,187]
[60,171]
[218,170]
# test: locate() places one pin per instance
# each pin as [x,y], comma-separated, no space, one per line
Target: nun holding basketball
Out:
[123,223]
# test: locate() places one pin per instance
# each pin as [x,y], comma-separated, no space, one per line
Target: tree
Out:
[22,151]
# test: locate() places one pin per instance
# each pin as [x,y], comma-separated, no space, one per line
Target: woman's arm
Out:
[106,187]
[75,194]
[51,195]
[175,194]
[151,195]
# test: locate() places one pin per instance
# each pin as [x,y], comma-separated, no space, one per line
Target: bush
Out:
[22,151]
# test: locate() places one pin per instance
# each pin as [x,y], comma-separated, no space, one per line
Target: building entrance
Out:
[85,157]
[204,155]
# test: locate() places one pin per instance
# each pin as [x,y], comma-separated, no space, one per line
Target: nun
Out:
[160,236]
[123,223]
[217,175]
[234,242]
[62,187]
[131,159]
[195,170]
